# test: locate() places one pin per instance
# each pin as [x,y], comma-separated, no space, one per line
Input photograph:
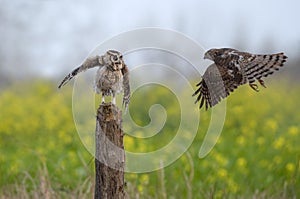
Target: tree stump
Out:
[110,154]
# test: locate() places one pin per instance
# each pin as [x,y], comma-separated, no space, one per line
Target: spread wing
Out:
[217,83]
[252,66]
[88,63]
[126,87]
[233,68]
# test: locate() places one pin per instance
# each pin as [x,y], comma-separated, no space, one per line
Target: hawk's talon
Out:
[262,83]
[254,87]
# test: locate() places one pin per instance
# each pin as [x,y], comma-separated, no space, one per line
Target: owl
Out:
[112,76]
[231,69]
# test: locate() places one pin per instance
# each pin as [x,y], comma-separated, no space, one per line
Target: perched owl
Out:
[231,69]
[112,76]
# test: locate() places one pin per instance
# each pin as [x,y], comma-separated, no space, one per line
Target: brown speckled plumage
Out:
[112,76]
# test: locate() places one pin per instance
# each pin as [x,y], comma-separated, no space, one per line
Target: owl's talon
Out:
[254,87]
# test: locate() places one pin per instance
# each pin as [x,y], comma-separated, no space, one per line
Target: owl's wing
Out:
[217,83]
[126,87]
[255,67]
[87,64]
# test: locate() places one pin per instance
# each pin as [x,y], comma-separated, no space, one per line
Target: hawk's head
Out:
[114,60]
[212,54]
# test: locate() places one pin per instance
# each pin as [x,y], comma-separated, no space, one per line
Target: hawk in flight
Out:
[231,69]
[112,76]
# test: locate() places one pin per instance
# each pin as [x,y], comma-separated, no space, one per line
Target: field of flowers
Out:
[257,154]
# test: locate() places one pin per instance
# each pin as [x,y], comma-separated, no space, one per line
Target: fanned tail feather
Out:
[264,65]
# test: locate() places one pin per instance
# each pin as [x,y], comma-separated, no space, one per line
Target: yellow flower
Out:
[290,167]
[64,137]
[128,141]
[222,173]
[272,125]
[278,143]
[140,189]
[293,131]
[144,179]
[241,162]
[220,159]
[131,176]
[241,140]
[238,110]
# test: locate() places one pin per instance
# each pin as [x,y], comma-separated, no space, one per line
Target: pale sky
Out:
[62,33]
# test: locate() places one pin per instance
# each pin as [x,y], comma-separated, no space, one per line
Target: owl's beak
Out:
[117,66]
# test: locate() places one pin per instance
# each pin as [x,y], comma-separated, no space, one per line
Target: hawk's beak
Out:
[207,56]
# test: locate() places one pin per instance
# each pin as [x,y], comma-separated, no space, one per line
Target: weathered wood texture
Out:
[110,155]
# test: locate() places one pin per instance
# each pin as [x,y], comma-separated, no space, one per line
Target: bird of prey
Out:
[231,69]
[112,76]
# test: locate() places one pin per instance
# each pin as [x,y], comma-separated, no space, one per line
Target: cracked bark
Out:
[110,155]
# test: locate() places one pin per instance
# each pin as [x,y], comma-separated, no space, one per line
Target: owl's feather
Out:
[126,87]
[112,76]
[87,64]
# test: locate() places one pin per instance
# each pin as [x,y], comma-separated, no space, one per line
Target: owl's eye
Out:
[115,58]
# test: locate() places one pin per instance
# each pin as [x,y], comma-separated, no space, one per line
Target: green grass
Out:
[257,155]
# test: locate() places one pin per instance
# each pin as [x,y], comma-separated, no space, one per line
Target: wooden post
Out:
[110,154]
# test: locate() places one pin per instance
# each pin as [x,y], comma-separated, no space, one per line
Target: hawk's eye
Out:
[216,54]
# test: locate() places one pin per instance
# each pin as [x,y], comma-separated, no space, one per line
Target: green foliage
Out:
[37,128]
[258,151]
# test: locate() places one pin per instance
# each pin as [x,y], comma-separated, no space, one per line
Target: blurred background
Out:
[47,38]
[42,156]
